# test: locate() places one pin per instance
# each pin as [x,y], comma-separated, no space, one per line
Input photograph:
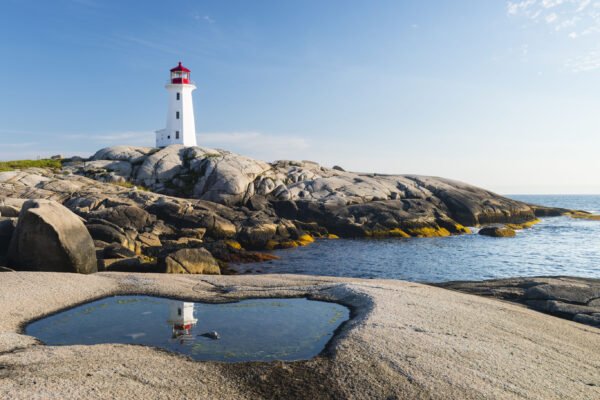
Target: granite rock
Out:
[49,237]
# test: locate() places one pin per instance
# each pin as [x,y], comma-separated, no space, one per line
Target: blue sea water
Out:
[556,246]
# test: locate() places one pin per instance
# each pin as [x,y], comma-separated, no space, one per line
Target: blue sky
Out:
[499,94]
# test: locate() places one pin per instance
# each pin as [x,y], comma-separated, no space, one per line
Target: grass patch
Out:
[24,164]
[130,185]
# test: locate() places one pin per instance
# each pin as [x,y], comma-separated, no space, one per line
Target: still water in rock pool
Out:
[556,246]
[249,330]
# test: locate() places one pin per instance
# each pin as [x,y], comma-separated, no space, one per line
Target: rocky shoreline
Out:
[207,204]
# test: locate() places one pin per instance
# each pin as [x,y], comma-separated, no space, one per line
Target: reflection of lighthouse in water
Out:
[181,317]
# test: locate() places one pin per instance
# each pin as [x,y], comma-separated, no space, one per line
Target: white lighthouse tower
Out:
[181,126]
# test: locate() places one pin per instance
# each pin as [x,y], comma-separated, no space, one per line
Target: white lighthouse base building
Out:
[181,125]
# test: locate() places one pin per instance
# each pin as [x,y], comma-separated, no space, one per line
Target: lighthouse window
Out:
[176,134]
[177,114]
[178,95]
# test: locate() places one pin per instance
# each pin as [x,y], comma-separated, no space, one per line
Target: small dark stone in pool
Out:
[211,335]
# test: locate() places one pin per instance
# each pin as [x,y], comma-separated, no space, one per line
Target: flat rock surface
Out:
[405,340]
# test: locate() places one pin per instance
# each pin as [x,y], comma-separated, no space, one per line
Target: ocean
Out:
[556,246]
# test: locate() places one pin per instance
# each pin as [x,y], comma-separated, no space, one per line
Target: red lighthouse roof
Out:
[180,68]
[180,75]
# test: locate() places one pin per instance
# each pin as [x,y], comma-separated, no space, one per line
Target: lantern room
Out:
[180,75]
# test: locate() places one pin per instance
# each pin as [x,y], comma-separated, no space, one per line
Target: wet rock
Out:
[214,335]
[560,308]
[497,231]
[49,237]
[572,298]
[592,320]
[190,261]
[567,292]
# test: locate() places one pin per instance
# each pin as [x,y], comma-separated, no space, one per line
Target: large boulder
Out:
[49,237]
[161,166]
[191,261]
[227,178]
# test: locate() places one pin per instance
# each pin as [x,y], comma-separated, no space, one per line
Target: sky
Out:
[501,94]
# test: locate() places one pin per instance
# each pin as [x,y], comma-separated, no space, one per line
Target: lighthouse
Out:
[181,126]
[181,318]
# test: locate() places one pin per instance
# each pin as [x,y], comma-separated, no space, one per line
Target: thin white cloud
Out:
[581,14]
[205,18]
[585,63]
[550,18]
[574,19]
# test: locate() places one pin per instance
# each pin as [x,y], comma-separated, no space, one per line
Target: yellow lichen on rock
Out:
[288,244]
[583,215]
[305,240]
[462,229]
[395,232]
[233,244]
[525,225]
[428,231]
